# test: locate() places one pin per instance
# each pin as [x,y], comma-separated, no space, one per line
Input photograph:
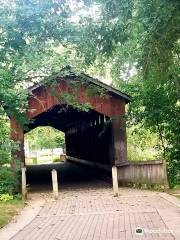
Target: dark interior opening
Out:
[88,147]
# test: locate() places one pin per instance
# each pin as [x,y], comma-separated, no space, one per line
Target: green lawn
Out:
[175,191]
[8,210]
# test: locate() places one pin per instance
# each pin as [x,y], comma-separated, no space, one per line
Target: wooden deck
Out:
[88,211]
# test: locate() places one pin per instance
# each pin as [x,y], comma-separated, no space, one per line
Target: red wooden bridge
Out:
[97,136]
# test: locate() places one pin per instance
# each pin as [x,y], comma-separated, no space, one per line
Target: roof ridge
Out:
[84,77]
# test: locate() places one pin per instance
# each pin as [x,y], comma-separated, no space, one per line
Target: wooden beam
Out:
[115,181]
[23,179]
[55,184]
[119,140]
[42,100]
[17,134]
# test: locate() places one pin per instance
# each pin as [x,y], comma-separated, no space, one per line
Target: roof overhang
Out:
[85,78]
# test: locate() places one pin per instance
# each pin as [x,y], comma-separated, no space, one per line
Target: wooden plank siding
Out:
[42,99]
[143,172]
[86,143]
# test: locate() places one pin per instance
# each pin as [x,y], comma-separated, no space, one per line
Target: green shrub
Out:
[17,196]
[8,181]
[34,160]
[56,159]
[6,197]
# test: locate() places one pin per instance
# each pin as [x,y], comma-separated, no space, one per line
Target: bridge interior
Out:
[87,134]
[88,142]
[70,176]
[95,138]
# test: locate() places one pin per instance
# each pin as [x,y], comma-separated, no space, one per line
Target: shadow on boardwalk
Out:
[87,210]
[69,175]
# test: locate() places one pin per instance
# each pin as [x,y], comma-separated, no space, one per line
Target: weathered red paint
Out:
[42,100]
[17,134]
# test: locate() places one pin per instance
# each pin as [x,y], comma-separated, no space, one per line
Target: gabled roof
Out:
[84,77]
[110,89]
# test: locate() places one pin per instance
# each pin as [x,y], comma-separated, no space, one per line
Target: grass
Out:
[175,191]
[44,160]
[8,210]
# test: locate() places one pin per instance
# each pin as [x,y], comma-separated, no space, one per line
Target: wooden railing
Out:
[143,172]
[149,173]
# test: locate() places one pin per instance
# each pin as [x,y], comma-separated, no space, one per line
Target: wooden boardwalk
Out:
[94,214]
[88,211]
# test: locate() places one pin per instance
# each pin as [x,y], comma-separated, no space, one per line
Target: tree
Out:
[140,39]
[137,40]
[45,138]
[32,47]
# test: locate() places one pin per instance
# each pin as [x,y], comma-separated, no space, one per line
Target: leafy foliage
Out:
[45,137]
[76,86]
[6,197]
[142,45]
[4,142]
[6,145]
[9,181]
[143,144]
[31,47]
[136,40]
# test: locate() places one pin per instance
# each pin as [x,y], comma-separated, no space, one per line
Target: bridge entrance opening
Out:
[95,137]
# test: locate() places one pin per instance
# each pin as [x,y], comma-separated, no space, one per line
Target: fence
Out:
[147,172]
[137,172]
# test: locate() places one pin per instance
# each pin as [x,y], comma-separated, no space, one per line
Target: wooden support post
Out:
[115,181]
[17,134]
[23,179]
[119,141]
[166,185]
[55,184]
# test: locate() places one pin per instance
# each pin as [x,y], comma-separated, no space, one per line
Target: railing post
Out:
[166,185]
[55,184]
[115,181]
[23,179]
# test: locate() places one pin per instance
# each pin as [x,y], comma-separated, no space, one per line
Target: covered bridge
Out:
[89,112]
